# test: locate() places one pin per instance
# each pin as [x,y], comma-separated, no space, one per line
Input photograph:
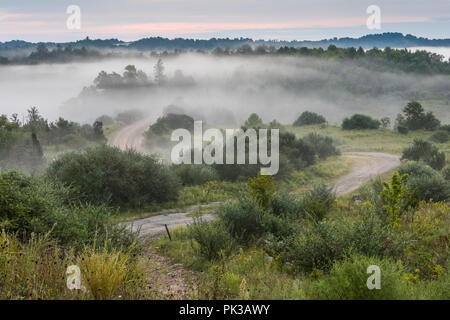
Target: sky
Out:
[128,20]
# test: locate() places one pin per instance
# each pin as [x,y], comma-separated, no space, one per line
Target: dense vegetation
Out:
[109,175]
[308,117]
[22,144]
[343,49]
[268,244]
[359,122]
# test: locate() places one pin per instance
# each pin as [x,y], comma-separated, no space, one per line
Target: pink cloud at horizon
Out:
[57,26]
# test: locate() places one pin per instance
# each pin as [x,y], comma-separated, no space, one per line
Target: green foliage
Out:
[319,245]
[393,194]
[445,127]
[285,205]
[322,145]
[171,121]
[359,122]
[191,175]
[32,205]
[307,118]
[402,129]
[347,280]
[121,178]
[213,239]
[446,172]
[318,201]
[253,121]
[428,254]
[422,150]
[440,136]
[247,221]
[262,189]
[416,118]
[424,182]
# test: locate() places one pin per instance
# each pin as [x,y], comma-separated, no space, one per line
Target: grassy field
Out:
[382,140]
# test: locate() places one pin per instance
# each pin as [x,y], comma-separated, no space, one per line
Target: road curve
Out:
[366,165]
[131,136]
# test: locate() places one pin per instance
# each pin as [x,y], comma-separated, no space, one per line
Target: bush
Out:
[446,172]
[191,174]
[122,178]
[440,136]
[318,201]
[213,239]
[359,122]
[348,280]
[322,145]
[298,152]
[247,221]
[425,182]
[445,127]
[425,151]
[261,189]
[285,205]
[171,122]
[307,118]
[318,246]
[32,205]
[402,129]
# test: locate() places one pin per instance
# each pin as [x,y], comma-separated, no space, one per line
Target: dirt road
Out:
[131,136]
[366,166]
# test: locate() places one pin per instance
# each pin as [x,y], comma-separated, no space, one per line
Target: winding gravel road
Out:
[131,136]
[366,165]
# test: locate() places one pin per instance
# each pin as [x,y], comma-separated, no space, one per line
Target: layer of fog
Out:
[226,89]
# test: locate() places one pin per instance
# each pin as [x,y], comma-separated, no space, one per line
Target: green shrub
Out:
[318,201]
[121,178]
[247,221]
[440,136]
[348,280]
[213,239]
[307,118]
[425,182]
[402,129]
[32,205]
[285,205]
[299,154]
[193,174]
[318,246]
[359,122]
[322,145]
[261,189]
[425,151]
[170,122]
[446,172]
[394,195]
[445,127]
[430,188]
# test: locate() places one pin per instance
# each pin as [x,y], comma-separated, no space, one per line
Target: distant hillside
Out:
[393,40]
